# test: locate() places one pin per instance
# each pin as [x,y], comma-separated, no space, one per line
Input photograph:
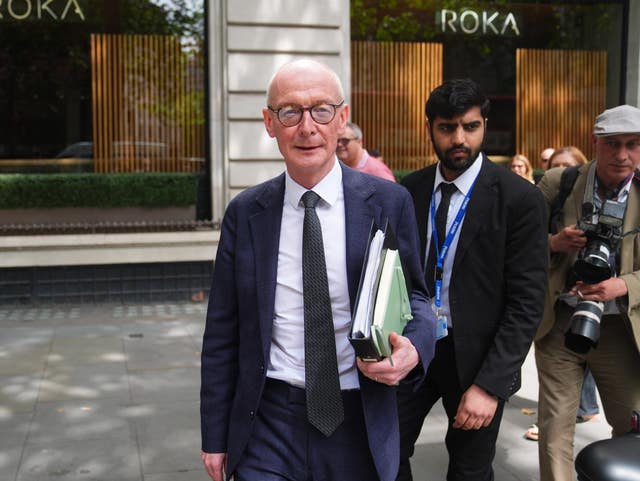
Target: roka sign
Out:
[483,23]
[41,9]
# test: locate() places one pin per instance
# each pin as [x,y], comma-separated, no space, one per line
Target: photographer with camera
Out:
[592,311]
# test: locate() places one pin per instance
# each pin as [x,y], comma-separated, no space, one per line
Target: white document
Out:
[364,308]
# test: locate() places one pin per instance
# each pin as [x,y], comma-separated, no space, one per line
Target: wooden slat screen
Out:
[558,95]
[390,84]
[148,105]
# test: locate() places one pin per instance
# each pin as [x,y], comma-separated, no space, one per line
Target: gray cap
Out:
[623,119]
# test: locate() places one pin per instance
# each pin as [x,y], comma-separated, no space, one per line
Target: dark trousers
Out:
[470,452]
[285,447]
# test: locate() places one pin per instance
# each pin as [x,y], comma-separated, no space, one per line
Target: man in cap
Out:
[575,302]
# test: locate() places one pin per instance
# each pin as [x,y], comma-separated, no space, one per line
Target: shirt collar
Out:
[465,180]
[327,188]
[621,193]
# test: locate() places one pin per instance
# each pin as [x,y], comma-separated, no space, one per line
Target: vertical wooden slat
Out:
[391,81]
[143,88]
[558,95]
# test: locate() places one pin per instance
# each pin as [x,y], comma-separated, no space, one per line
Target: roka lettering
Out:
[41,9]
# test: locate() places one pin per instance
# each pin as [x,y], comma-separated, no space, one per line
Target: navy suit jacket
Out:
[499,276]
[237,336]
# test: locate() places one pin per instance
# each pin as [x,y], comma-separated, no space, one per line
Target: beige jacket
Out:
[560,263]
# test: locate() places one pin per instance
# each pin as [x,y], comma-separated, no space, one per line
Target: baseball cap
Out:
[624,119]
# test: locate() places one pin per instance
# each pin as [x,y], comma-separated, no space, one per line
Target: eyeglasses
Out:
[344,141]
[291,115]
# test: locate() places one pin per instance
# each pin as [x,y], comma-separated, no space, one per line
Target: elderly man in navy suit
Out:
[264,416]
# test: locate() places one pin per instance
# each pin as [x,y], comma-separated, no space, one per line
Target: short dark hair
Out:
[455,97]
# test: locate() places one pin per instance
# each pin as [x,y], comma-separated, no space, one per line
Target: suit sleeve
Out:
[421,330]
[525,283]
[220,343]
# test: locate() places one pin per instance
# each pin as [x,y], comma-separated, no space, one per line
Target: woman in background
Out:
[567,157]
[521,166]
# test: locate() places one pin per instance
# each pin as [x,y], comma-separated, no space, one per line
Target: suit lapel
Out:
[265,237]
[478,211]
[631,221]
[422,202]
[358,216]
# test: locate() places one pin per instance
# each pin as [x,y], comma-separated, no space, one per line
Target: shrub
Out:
[97,190]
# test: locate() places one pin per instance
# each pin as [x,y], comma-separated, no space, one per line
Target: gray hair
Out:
[357,131]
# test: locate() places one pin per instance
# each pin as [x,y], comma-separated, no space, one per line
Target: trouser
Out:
[471,452]
[285,447]
[615,365]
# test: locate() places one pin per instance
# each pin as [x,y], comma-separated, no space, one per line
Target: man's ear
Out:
[343,116]
[268,122]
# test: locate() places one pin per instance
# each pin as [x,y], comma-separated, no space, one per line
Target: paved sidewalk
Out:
[110,393]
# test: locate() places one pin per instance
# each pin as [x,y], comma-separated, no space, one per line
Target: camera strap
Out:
[567,181]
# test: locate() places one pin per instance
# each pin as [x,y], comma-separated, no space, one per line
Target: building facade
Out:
[171,92]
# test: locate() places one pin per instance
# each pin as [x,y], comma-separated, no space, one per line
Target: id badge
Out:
[441,325]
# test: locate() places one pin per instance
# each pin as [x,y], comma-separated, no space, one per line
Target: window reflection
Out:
[102,86]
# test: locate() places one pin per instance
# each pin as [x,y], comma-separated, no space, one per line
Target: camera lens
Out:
[585,326]
[593,265]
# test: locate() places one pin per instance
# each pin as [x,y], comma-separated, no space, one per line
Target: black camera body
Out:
[603,230]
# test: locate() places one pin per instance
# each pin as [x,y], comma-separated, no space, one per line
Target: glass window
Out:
[102,86]
[482,40]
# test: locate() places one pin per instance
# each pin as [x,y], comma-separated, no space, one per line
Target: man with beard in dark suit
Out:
[483,233]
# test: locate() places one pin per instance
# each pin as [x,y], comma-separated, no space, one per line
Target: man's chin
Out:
[458,164]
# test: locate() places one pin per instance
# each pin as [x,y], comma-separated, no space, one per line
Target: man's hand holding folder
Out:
[382,312]
[405,358]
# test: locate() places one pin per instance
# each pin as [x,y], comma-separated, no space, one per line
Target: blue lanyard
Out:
[440,255]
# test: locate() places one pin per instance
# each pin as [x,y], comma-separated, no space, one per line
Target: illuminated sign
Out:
[482,23]
[41,10]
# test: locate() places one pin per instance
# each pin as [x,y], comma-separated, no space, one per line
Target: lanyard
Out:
[440,255]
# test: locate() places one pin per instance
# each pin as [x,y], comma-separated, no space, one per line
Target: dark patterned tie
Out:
[447,191]
[322,384]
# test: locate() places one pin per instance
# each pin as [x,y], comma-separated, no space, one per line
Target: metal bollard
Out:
[616,459]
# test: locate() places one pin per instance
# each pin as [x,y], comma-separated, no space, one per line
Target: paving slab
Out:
[165,385]
[192,475]
[74,420]
[87,460]
[169,437]
[19,393]
[14,428]
[111,392]
[24,349]
[64,381]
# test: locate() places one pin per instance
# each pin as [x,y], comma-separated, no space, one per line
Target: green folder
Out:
[392,309]
[389,309]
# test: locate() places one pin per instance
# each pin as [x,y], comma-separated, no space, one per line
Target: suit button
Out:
[252,414]
[261,368]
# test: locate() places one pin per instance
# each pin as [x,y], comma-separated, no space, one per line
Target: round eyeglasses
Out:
[290,115]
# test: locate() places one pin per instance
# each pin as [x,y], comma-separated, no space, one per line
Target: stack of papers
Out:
[382,304]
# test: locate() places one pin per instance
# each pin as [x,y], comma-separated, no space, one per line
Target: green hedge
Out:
[400,174]
[97,190]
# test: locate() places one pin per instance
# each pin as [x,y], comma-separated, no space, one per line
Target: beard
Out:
[458,163]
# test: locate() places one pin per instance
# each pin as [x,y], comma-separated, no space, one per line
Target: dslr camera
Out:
[603,230]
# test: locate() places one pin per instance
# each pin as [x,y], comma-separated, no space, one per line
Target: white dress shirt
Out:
[286,357]
[463,184]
